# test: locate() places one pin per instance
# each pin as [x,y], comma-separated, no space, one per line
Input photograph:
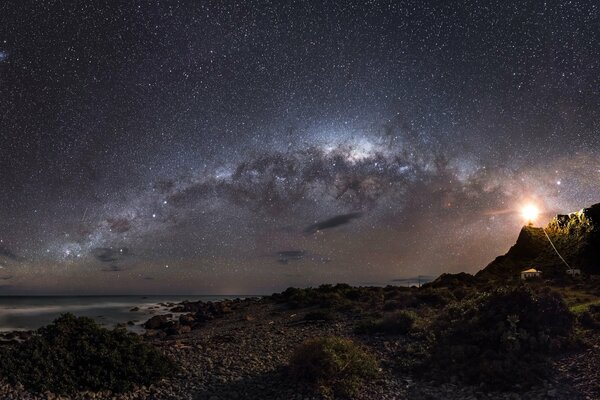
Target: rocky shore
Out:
[240,349]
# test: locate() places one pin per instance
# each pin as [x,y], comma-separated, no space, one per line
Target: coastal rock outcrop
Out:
[194,315]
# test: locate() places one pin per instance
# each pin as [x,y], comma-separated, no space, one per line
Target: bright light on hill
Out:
[530,212]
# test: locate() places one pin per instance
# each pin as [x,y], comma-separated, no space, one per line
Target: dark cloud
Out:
[286,256]
[113,268]
[333,222]
[110,255]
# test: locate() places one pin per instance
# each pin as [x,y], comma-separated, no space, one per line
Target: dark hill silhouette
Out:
[576,236]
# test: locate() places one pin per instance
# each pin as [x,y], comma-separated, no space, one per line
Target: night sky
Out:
[244,147]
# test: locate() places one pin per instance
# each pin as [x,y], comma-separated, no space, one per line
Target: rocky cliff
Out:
[576,236]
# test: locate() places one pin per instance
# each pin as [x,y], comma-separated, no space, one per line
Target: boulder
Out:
[187,319]
[158,321]
[177,329]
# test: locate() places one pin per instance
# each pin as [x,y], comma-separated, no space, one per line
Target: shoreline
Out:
[30,313]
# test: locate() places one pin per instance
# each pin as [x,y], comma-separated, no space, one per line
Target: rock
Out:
[158,321]
[177,329]
[24,335]
[135,309]
[187,319]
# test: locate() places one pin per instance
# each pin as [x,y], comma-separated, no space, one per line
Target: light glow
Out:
[530,212]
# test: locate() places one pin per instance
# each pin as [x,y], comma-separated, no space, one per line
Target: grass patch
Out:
[581,308]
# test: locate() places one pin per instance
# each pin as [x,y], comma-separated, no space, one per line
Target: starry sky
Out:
[243,147]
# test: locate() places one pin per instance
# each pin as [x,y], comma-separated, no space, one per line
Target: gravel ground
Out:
[243,355]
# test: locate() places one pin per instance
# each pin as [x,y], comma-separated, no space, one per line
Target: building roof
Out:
[532,270]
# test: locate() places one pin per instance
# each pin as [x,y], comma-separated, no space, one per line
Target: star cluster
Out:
[239,147]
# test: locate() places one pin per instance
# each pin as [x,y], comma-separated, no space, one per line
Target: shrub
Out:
[402,300]
[394,323]
[591,317]
[435,297]
[335,365]
[501,338]
[74,354]
[413,355]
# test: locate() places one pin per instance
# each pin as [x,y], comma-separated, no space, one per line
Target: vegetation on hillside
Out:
[502,337]
[463,328]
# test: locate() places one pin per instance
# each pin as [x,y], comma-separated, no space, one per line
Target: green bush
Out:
[74,354]
[399,322]
[335,365]
[501,338]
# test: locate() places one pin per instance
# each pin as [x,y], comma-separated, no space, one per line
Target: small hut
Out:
[530,273]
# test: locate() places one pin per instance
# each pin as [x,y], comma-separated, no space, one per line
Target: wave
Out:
[66,308]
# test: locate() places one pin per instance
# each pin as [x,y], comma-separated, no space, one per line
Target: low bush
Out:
[335,366]
[414,355]
[501,338]
[399,322]
[74,353]
[591,317]
[435,297]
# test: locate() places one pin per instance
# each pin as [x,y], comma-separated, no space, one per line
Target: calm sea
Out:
[25,313]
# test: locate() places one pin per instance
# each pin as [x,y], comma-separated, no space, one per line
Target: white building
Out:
[530,273]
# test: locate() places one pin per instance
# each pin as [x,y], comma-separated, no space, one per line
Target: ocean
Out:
[31,312]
